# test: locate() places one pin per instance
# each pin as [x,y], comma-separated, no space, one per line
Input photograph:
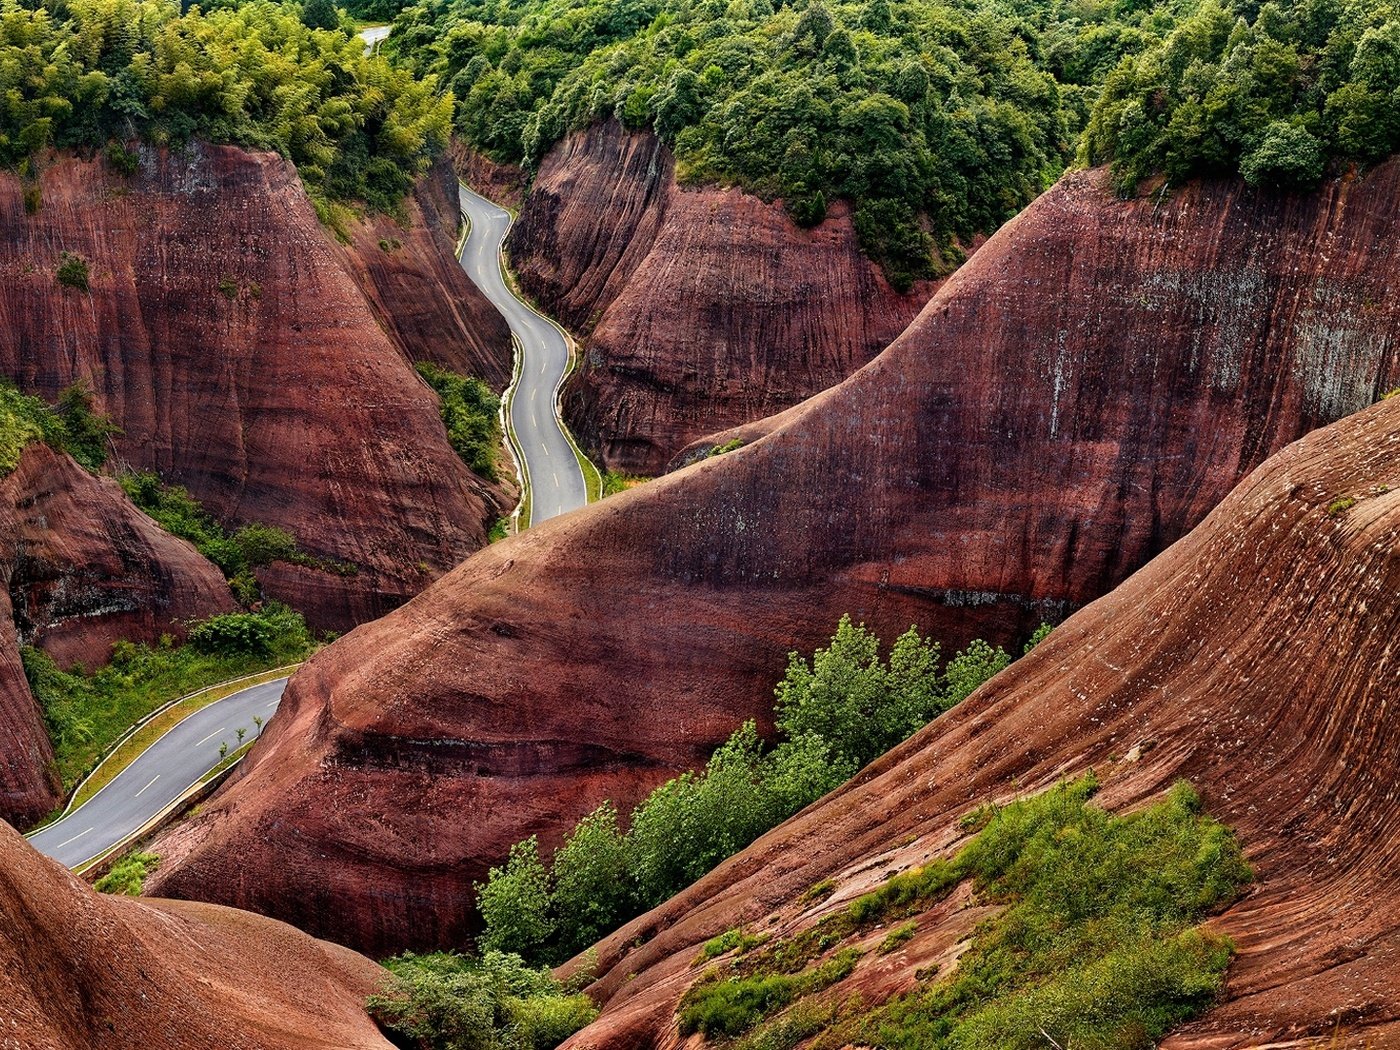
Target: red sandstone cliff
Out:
[1255,658]
[79,970]
[701,308]
[1077,397]
[226,333]
[81,568]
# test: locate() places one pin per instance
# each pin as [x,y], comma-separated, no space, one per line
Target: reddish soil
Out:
[229,337]
[80,970]
[1255,659]
[1075,399]
[701,308]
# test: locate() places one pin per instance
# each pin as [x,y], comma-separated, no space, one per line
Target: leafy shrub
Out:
[471,414]
[86,434]
[71,426]
[128,875]
[446,1001]
[836,713]
[231,634]
[72,271]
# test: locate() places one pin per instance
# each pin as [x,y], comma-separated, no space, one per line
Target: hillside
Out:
[1071,402]
[81,970]
[1254,659]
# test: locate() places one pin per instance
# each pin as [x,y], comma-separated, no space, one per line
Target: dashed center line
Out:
[153,780]
[75,838]
[212,735]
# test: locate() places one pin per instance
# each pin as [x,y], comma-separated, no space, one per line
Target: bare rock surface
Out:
[1074,400]
[81,970]
[701,308]
[228,336]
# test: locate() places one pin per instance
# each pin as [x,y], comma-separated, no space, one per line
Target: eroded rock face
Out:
[226,334]
[82,970]
[81,568]
[702,308]
[1075,399]
[1255,659]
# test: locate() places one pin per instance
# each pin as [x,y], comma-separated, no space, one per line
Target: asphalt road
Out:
[556,480]
[160,774]
[373,36]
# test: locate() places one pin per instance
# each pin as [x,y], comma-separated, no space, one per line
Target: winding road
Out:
[158,776]
[552,472]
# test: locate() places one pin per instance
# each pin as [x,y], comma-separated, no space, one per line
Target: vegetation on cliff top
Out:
[835,713]
[77,73]
[471,414]
[1270,91]
[938,119]
[1096,942]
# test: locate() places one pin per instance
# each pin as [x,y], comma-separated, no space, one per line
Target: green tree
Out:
[514,903]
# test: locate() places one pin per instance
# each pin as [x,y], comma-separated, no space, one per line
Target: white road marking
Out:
[556,477]
[212,735]
[153,780]
[75,838]
[274,703]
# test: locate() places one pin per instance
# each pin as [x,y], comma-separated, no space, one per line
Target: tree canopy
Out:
[79,73]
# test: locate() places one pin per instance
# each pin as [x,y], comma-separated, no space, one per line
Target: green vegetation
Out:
[1097,942]
[85,713]
[472,415]
[79,73]
[729,941]
[1270,91]
[835,714]
[938,119]
[249,547]
[615,482]
[128,875]
[446,1001]
[72,271]
[70,426]
[731,445]
[1340,506]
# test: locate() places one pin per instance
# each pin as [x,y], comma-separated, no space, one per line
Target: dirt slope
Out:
[1255,658]
[80,970]
[1076,398]
[227,334]
[702,308]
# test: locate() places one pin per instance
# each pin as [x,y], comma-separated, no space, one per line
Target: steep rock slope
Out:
[226,335]
[1077,397]
[1255,658]
[702,308]
[82,568]
[82,970]
[418,292]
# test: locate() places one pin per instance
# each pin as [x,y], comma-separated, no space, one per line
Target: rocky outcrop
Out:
[82,568]
[505,184]
[408,270]
[700,308]
[80,970]
[227,335]
[1255,659]
[1075,399]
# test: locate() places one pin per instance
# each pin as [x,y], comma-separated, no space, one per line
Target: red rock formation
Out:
[505,184]
[85,568]
[227,336]
[418,292]
[80,970]
[1255,658]
[1077,397]
[702,308]
[81,568]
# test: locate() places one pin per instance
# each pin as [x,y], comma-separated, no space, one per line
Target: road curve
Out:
[373,36]
[556,480]
[158,776]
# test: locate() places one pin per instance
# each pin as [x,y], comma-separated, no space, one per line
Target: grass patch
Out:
[899,935]
[735,940]
[128,875]
[728,446]
[615,482]
[471,414]
[450,1001]
[732,1007]
[1097,943]
[1340,506]
[818,891]
[72,271]
[85,713]
[157,727]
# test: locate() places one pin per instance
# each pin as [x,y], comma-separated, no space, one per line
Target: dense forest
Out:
[85,73]
[1270,92]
